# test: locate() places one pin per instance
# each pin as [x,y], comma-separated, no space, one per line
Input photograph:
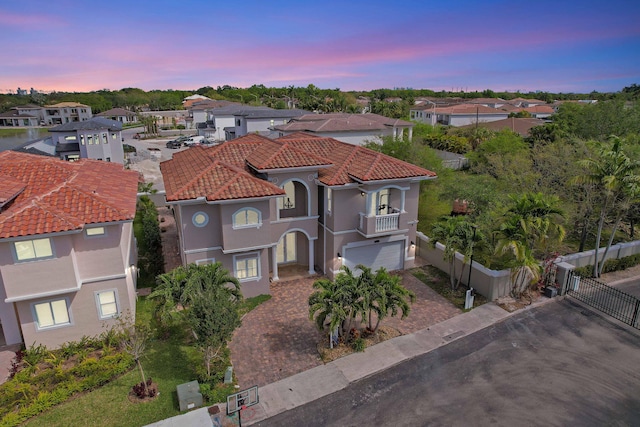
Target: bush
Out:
[609,266]
[216,393]
[358,344]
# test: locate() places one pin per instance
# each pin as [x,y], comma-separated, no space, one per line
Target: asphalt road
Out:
[559,364]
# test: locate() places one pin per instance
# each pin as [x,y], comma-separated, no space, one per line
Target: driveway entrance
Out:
[277,339]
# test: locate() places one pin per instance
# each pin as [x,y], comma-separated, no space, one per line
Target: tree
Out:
[457,234]
[213,317]
[333,302]
[532,223]
[387,297]
[617,178]
[133,340]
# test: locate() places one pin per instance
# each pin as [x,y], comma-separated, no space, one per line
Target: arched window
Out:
[247,217]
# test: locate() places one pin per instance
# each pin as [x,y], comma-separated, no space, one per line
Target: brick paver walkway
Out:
[277,339]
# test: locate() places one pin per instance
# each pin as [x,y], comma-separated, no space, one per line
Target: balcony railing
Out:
[387,222]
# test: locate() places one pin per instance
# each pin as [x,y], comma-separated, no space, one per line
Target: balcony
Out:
[379,224]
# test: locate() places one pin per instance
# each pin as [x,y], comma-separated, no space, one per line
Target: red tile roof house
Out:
[256,205]
[67,251]
[357,129]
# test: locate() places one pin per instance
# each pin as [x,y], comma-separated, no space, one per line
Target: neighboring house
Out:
[98,138]
[120,115]
[525,103]
[67,249]
[487,102]
[540,111]
[356,129]
[464,114]
[170,117]
[235,120]
[66,112]
[190,100]
[259,205]
[22,116]
[521,126]
[262,120]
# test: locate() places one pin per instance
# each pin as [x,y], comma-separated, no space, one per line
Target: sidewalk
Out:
[323,380]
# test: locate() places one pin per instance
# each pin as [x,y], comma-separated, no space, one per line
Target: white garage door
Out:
[389,255]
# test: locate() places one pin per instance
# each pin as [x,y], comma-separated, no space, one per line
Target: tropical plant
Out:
[388,297]
[457,234]
[617,177]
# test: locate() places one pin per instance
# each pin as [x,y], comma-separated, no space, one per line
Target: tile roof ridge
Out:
[378,158]
[347,161]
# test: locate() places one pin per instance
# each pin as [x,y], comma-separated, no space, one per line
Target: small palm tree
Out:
[389,298]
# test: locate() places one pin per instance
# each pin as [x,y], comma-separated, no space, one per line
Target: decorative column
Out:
[311,258]
[274,256]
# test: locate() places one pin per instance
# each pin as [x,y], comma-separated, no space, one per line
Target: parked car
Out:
[194,140]
[178,142]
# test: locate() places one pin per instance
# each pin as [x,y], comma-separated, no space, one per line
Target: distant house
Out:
[356,129]
[235,120]
[524,102]
[521,126]
[169,118]
[98,138]
[66,112]
[464,114]
[262,206]
[22,116]
[67,249]
[120,115]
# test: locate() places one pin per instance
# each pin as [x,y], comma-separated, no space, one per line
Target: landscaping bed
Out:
[439,282]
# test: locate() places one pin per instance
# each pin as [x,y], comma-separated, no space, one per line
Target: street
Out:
[559,364]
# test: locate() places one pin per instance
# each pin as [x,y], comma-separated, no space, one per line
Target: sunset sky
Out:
[555,46]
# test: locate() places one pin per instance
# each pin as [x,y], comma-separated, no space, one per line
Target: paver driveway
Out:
[277,339]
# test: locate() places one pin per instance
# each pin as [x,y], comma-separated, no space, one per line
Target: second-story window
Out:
[33,249]
[247,217]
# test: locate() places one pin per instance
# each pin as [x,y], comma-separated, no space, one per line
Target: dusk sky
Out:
[555,46]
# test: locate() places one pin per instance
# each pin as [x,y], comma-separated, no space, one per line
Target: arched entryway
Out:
[293,255]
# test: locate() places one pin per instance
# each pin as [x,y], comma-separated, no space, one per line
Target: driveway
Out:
[277,339]
[556,365]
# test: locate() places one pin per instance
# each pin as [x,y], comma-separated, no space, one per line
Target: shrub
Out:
[609,266]
[216,393]
[358,344]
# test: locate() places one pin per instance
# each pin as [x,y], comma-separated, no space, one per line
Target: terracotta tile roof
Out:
[9,189]
[63,196]
[521,126]
[341,122]
[221,172]
[466,109]
[280,154]
[216,173]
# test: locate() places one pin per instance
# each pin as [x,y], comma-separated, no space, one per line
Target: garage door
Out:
[388,255]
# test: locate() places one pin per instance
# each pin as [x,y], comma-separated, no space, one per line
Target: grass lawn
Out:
[427,274]
[168,362]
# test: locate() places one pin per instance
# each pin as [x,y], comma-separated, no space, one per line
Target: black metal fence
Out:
[611,301]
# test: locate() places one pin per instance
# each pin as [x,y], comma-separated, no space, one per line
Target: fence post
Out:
[636,314]
[567,280]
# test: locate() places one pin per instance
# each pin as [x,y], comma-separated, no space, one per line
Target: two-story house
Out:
[67,249]
[257,205]
[66,112]
[119,114]
[29,115]
[98,138]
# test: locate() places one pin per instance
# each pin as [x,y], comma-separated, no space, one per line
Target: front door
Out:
[286,250]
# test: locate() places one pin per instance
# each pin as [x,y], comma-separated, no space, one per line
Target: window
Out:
[108,159]
[81,139]
[206,261]
[89,139]
[289,200]
[200,219]
[107,304]
[247,217]
[246,267]
[96,139]
[33,249]
[70,138]
[114,136]
[51,313]
[105,138]
[95,231]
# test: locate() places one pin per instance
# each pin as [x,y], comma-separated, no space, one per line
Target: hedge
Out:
[610,265]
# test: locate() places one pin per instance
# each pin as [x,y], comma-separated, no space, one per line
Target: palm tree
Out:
[457,234]
[183,285]
[389,297]
[616,176]
[333,301]
[532,222]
